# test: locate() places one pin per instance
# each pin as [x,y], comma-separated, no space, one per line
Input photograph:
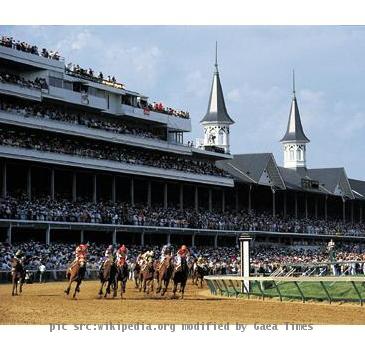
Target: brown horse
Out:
[17,276]
[198,274]
[75,273]
[163,274]
[146,277]
[108,274]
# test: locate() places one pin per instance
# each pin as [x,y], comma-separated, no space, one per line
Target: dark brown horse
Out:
[146,277]
[17,276]
[163,275]
[180,277]
[198,274]
[108,274]
[136,274]
[122,277]
[75,273]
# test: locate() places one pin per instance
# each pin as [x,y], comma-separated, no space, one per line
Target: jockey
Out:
[165,251]
[108,255]
[201,262]
[183,252]
[19,255]
[146,258]
[80,253]
[122,255]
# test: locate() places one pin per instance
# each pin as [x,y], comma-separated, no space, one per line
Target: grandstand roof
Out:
[358,188]
[334,180]
[259,168]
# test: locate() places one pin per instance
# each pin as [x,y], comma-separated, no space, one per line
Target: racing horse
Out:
[146,277]
[75,273]
[121,276]
[163,275]
[137,274]
[17,276]
[180,276]
[198,274]
[107,275]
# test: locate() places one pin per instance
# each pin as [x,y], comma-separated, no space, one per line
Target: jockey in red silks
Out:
[80,253]
[183,252]
[122,255]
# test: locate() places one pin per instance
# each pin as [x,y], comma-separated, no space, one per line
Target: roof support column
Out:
[285,204]
[114,189]
[8,234]
[168,240]
[131,189]
[149,193]
[316,207]
[181,197]
[236,198]
[223,200]
[48,234]
[74,187]
[5,180]
[306,205]
[273,202]
[165,196]
[82,236]
[210,204]
[249,198]
[52,183]
[196,199]
[114,236]
[360,212]
[142,239]
[352,212]
[29,183]
[216,240]
[296,205]
[344,209]
[326,207]
[94,188]
[193,240]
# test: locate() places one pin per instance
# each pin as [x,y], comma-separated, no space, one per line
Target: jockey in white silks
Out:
[146,258]
[165,251]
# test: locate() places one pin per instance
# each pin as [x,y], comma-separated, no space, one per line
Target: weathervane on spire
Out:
[216,56]
[293,82]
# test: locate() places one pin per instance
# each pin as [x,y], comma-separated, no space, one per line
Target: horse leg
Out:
[77,289]
[182,287]
[101,288]
[67,290]
[107,290]
[174,289]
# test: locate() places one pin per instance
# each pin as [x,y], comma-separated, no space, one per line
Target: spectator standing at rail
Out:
[42,273]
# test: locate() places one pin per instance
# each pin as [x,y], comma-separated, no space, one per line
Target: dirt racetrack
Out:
[46,303]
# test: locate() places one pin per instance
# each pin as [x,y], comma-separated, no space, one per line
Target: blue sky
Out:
[175,65]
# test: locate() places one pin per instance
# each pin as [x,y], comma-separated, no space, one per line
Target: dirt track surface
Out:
[46,303]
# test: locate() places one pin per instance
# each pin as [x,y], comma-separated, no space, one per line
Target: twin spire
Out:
[217,111]
[294,131]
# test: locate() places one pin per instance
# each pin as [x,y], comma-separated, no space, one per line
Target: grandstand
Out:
[85,159]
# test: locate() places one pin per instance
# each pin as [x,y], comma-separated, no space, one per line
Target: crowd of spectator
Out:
[38,110]
[10,78]
[48,142]
[222,260]
[89,74]
[107,212]
[25,47]
[160,108]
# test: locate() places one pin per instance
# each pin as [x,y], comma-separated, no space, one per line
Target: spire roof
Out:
[294,131]
[217,111]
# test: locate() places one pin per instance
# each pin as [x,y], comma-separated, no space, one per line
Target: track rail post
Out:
[358,292]
[300,291]
[326,290]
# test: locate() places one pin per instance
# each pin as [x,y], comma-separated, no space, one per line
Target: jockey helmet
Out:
[18,253]
[123,248]
[110,247]
[183,247]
